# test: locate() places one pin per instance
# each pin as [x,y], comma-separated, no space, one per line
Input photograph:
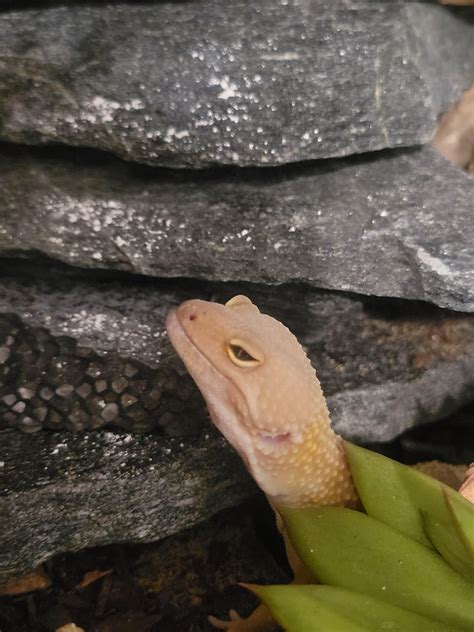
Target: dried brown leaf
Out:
[91,577]
[36,580]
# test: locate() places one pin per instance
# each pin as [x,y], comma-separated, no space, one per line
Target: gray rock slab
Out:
[438,39]
[79,354]
[208,82]
[62,492]
[393,224]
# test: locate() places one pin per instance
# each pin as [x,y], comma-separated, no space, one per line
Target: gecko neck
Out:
[316,472]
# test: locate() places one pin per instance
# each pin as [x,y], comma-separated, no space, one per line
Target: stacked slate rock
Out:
[153,152]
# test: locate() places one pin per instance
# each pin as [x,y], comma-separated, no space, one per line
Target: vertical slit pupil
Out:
[241,354]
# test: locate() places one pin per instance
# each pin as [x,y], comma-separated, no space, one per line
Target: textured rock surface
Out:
[167,586]
[71,492]
[246,85]
[395,225]
[444,49]
[78,354]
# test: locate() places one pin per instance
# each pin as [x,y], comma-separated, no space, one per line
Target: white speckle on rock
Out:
[134,104]
[286,56]
[104,108]
[243,233]
[433,263]
[229,89]
[172,133]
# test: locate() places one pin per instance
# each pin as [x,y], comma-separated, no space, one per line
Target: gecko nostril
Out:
[193,317]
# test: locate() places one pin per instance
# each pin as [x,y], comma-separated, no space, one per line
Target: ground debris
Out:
[36,580]
[166,586]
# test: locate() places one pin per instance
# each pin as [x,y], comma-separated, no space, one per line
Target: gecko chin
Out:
[225,403]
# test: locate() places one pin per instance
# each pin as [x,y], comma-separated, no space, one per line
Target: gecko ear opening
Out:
[241,301]
[273,443]
[241,356]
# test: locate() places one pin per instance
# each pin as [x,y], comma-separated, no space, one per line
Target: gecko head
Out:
[260,388]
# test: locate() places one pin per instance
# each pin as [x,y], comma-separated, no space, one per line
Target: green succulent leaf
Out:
[462,513]
[454,540]
[441,535]
[329,609]
[351,550]
[402,497]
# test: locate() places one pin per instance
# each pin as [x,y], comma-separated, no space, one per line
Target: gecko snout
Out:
[191,310]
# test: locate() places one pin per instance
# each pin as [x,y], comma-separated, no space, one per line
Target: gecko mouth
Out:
[182,341]
[199,366]
[213,385]
[187,350]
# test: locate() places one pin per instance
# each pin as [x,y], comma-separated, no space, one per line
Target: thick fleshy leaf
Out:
[351,550]
[454,540]
[447,545]
[400,496]
[330,609]
[462,512]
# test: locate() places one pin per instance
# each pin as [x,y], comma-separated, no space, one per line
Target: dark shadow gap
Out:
[89,158]
[450,439]
[40,267]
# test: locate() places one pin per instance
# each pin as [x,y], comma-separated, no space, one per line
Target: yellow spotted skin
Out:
[316,471]
[264,396]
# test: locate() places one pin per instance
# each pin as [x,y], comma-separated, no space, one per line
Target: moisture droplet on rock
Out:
[128,400]
[25,393]
[119,385]
[130,370]
[19,407]
[40,413]
[100,386]
[110,412]
[155,395]
[54,417]
[84,390]
[28,424]
[46,393]
[78,419]
[65,390]
[94,371]
[9,400]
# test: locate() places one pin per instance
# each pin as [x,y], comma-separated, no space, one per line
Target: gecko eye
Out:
[240,356]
